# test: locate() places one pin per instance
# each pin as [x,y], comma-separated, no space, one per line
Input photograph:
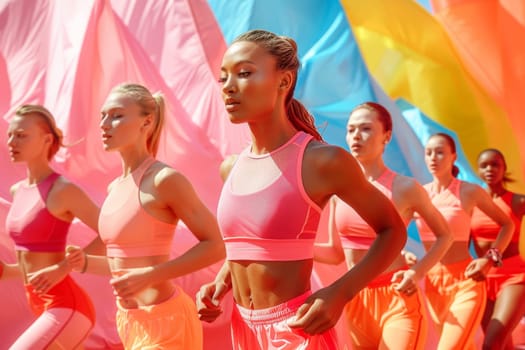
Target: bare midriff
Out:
[264,284]
[153,294]
[483,246]
[354,256]
[458,251]
[31,262]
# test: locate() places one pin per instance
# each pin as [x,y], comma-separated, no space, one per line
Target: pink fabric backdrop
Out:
[67,55]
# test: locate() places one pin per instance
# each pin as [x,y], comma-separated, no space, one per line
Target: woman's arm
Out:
[430,214]
[330,252]
[333,171]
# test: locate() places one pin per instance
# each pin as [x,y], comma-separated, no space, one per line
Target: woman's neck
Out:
[38,171]
[132,160]
[267,137]
[373,169]
[442,182]
[496,190]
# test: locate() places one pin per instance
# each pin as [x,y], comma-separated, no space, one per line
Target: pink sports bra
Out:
[125,227]
[355,232]
[264,212]
[449,204]
[484,228]
[30,224]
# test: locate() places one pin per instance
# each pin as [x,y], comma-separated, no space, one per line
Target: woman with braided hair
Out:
[271,203]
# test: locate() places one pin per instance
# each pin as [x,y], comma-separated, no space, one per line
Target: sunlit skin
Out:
[254,92]
[440,159]
[366,138]
[28,142]
[139,281]
[502,315]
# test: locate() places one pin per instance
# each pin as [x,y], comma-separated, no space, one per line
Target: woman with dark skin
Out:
[271,203]
[506,284]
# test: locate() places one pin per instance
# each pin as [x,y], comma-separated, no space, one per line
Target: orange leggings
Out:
[172,325]
[456,305]
[379,317]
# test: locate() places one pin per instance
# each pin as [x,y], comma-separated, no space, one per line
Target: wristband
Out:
[494,256]
[84,268]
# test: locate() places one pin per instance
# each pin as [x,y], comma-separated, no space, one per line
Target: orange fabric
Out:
[455,304]
[380,317]
[487,36]
[172,325]
[65,294]
[512,272]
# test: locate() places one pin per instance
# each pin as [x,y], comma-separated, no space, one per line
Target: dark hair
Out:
[506,177]
[384,116]
[452,144]
[284,49]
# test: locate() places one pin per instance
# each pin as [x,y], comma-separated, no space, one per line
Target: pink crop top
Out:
[355,232]
[484,228]
[449,204]
[125,227]
[264,212]
[30,224]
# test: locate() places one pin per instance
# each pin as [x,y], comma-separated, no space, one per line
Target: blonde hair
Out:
[150,104]
[284,50]
[48,122]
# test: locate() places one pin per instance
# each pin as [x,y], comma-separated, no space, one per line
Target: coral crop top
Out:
[30,224]
[355,232]
[125,227]
[264,212]
[449,204]
[486,229]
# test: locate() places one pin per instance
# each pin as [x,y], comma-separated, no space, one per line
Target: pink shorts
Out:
[512,272]
[267,329]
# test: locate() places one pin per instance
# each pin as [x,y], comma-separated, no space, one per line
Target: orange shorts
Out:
[267,329]
[65,294]
[512,272]
[455,303]
[172,324]
[379,317]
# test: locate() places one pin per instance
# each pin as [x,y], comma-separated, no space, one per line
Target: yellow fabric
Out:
[411,56]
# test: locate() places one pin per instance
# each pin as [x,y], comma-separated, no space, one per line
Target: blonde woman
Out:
[137,223]
[44,204]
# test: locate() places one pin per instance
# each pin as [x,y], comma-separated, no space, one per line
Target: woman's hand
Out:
[407,281]
[208,300]
[478,269]
[45,279]
[130,282]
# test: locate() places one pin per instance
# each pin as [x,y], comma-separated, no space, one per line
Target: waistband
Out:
[159,310]
[273,314]
[454,268]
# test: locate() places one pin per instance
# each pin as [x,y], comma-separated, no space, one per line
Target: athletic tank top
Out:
[30,224]
[264,212]
[125,227]
[484,228]
[449,204]
[355,232]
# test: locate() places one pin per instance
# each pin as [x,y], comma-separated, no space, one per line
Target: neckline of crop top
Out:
[267,215]
[30,223]
[484,228]
[126,228]
[448,202]
[355,232]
